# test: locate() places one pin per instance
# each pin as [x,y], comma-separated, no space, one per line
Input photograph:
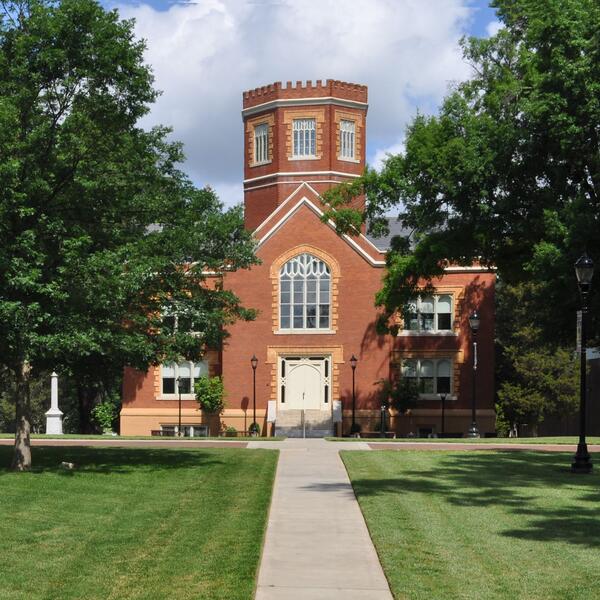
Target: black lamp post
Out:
[443,399]
[353,428]
[474,322]
[179,392]
[382,424]
[584,269]
[254,363]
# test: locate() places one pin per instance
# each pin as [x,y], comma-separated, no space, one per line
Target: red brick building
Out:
[314,291]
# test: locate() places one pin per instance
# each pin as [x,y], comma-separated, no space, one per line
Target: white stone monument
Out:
[54,416]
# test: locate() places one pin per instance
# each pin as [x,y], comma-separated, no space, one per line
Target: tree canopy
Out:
[102,233]
[508,172]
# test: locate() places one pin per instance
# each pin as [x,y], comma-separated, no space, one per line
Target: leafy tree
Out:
[537,378]
[401,393]
[508,172]
[101,232]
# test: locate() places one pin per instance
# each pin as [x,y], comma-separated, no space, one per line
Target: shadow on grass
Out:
[550,502]
[109,460]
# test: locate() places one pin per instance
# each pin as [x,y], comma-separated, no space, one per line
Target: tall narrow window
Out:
[347,132]
[304,293]
[305,137]
[261,143]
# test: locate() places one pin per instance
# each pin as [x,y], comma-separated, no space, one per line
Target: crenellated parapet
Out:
[305,89]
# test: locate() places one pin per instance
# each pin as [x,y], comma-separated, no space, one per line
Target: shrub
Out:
[104,414]
[254,429]
[210,394]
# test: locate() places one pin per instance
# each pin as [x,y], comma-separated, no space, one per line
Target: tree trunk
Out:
[88,396]
[22,455]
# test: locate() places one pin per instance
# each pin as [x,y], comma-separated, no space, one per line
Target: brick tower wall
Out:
[268,184]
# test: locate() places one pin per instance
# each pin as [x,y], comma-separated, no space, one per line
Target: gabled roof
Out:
[383,243]
[301,196]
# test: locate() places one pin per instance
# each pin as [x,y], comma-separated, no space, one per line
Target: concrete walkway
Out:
[317,545]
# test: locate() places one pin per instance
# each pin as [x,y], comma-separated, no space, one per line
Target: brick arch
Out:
[334,268]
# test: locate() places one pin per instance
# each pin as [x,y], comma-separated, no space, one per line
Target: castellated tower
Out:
[314,133]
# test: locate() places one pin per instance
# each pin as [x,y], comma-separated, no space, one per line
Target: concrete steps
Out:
[318,423]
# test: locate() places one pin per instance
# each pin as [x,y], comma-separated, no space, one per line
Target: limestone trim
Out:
[301,174]
[335,272]
[160,412]
[337,358]
[185,412]
[357,119]
[304,113]
[269,119]
[287,102]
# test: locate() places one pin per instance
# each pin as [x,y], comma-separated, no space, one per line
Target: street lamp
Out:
[474,322]
[354,427]
[443,399]
[382,424]
[584,269]
[254,363]
[179,392]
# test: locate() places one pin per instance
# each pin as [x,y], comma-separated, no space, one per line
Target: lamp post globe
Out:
[474,323]
[584,270]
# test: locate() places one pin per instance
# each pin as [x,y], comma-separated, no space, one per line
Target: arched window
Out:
[304,293]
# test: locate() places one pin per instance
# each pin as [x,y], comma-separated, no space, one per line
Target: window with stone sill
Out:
[347,135]
[177,319]
[304,294]
[261,143]
[432,376]
[181,377]
[429,314]
[304,138]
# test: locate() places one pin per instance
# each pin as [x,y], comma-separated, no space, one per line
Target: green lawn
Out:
[532,440]
[485,525]
[134,523]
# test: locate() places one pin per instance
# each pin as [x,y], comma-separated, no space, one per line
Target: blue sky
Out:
[205,53]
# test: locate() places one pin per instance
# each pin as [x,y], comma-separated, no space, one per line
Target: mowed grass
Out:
[134,523]
[481,525]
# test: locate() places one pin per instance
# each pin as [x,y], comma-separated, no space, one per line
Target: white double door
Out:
[305,382]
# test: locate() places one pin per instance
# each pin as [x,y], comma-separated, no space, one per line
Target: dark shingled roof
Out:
[383,243]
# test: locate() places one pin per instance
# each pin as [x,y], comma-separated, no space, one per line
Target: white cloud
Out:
[383,153]
[205,54]
[493,27]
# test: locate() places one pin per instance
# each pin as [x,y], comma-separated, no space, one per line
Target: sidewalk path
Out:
[317,545]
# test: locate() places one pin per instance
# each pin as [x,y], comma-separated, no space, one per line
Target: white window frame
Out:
[435,395]
[169,311]
[204,371]
[436,330]
[304,138]
[347,140]
[190,427]
[298,269]
[261,144]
